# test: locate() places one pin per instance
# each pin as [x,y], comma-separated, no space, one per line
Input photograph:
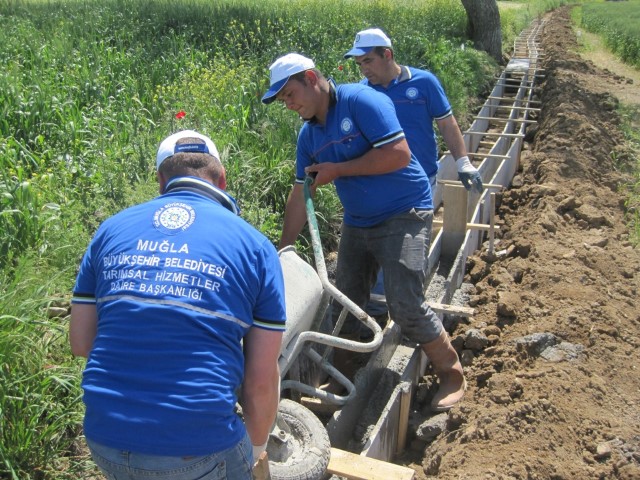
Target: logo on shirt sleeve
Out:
[174,217]
[346,125]
[412,93]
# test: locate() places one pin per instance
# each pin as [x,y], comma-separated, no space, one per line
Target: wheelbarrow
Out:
[298,446]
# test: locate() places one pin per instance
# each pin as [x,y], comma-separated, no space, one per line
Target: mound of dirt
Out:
[551,355]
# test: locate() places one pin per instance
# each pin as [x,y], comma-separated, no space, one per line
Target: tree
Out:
[484,26]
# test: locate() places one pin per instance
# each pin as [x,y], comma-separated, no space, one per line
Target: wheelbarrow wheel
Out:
[298,447]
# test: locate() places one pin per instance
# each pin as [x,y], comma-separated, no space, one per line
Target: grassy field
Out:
[615,24]
[630,115]
[619,24]
[87,91]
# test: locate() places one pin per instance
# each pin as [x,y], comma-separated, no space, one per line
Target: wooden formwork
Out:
[494,139]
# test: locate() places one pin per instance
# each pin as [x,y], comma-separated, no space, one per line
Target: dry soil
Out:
[554,392]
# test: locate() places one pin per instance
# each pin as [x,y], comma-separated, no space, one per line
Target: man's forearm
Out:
[82,329]
[295,216]
[452,137]
[378,161]
[259,407]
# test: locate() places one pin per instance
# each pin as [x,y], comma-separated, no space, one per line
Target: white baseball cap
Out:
[366,40]
[281,70]
[168,146]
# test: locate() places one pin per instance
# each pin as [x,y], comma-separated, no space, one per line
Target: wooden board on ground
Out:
[356,467]
[261,468]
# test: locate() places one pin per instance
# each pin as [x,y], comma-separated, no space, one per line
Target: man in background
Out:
[178,305]
[419,100]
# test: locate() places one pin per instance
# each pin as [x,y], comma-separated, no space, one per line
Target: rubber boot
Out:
[448,369]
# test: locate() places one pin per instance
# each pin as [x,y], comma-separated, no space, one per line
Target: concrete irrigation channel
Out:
[368,426]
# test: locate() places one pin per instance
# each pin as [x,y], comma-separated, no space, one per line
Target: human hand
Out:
[322,173]
[468,174]
[257,451]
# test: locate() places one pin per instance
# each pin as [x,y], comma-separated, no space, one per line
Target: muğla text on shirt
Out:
[182,283]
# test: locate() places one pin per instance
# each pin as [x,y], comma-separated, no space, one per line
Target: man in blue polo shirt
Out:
[178,305]
[352,137]
[420,101]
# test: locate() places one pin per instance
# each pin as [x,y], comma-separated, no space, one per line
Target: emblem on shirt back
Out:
[346,125]
[412,93]
[174,217]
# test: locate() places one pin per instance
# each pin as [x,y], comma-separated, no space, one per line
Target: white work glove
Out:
[258,449]
[468,174]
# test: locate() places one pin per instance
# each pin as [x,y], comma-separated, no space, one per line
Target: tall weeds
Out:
[618,23]
[87,91]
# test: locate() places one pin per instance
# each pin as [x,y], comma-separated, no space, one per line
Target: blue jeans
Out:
[378,307]
[400,246]
[231,464]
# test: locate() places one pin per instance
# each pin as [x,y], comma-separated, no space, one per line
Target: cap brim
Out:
[270,96]
[357,51]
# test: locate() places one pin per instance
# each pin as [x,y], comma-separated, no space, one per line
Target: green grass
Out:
[39,391]
[618,23]
[87,91]
[90,88]
[630,162]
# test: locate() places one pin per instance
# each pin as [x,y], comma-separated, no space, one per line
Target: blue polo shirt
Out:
[178,282]
[419,99]
[359,119]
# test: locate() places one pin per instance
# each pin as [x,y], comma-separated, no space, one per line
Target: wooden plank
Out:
[482,155]
[341,425]
[509,107]
[261,468]
[498,119]
[532,62]
[454,219]
[356,467]
[492,221]
[470,226]
[513,85]
[382,440]
[511,99]
[452,309]
[487,155]
[485,185]
[436,307]
[516,81]
[403,420]
[495,134]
